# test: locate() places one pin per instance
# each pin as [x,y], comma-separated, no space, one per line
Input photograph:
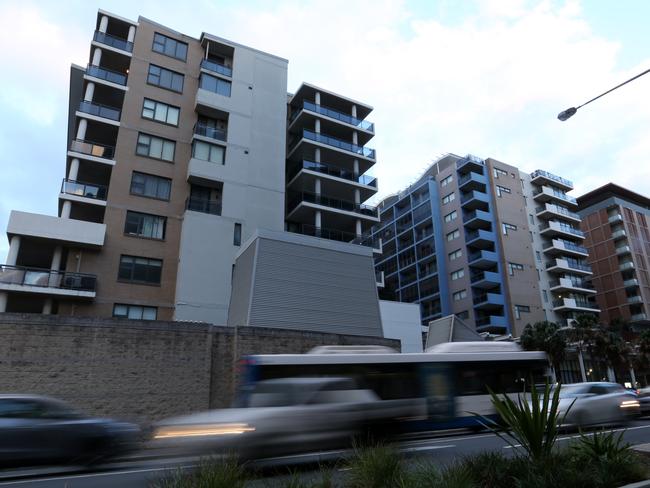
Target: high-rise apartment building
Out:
[484,241]
[177,154]
[615,221]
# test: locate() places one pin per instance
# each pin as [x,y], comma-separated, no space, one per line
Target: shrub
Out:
[211,473]
[376,467]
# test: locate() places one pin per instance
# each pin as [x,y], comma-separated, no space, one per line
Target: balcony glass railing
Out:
[206,130]
[479,178]
[494,298]
[332,203]
[563,263]
[332,170]
[335,114]
[87,190]
[203,205]
[106,74]
[338,143]
[495,320]
[573,282]
[557,209]
[582,303]
[46,278]
[216,67]
[337,235]
[92,149]
[116,42]
[561,227]
[551,176]
[100,110]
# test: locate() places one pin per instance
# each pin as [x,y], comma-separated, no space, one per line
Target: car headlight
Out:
[201,430]
[630,404]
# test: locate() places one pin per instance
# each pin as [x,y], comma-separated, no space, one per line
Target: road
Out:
[137,473]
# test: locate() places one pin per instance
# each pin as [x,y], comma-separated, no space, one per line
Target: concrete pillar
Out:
[317,221]
[581,361]
[354,111]
[131,35]
[81,130]
[611,376]
[97,56]
[317,98]
[358,229]
[355,138]
[3,301]
[47,307]
[103,24]
[317,155]
[90,92]
[74,169]
[54,266]
[65,210]
[14,247]
[357,196]
[317,186]
[317,126]
[356,168]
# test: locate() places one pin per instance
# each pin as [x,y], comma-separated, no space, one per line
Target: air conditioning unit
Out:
[71,282]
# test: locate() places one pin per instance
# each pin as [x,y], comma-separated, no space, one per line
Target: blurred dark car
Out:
[37,429]
[644,400]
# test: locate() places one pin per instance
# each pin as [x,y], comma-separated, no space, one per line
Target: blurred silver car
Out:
[596,403]
[281,416]
[644,400]
[36,429]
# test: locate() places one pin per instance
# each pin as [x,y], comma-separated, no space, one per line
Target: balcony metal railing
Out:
[557,209]
[92,148]
[495,320]
[106,74]
[337,235]
[556,193]
[332,203]
[562,227]
[566,245]
[46,278]
[469,176]
[332,170]
[551,176]
[87,190]
[203,205]
[100,110]
[205,130]
[573,282]
[618,233]
[335,114]
[216,67]
[338,143]
[116,42]
[569,264]
[578,302]
[495,298]
[470,158]
[484,275]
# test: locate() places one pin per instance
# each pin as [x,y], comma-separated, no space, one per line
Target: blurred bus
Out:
[445,385]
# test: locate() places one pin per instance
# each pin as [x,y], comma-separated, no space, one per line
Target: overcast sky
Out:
[486,77]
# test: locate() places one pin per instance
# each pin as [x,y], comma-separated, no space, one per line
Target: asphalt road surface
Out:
[138,473]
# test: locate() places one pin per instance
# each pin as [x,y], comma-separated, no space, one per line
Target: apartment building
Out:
[484,241]
[177,154]
[615,222]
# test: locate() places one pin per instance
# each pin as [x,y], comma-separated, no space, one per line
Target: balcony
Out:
[366,240]
[472,181]
[203,205]
[635,299]
[333,142]
[485,301]
[561,246]
[622,250]
[479,238]
[626,265]
[550,210]
[540,176]
[335,115]
[577,304]
[482,259]
[554,228]
[477,219]
[98,152]
[470,163]
[101,111]
[215,67]
[475,199]
[112,41]
[48,282]
[492,323]
[204,130]
[79,233]
[84,190]
[638,317]
[106,75]
[571,285]
[615,218]
[485,279]
[332,203]
[568,266]
[619,234]
[631,283]
[546,194]
[336,171]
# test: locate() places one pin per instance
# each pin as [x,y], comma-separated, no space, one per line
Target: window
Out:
[454,234]
[499,172]
[208,152]
[512,267]
[169,47]
[448,198]
[236,240]
[155,147]
[501,190]
[531,219]
[506,227]
[165,78]
[139,270]
[214,84]
[519,309]
[458,274]
[451,216]
[150,186]
[455,254]
[464,315]
[160,112]
[145,225]
[459,295]
[447,180]
[134,312]
[538,256]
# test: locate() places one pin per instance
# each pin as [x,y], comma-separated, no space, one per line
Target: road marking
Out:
[589,434]
[425,448]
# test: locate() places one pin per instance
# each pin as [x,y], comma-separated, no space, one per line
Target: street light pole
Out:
[570,112]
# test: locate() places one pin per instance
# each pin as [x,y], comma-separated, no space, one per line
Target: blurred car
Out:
[36,429]
[644,400]
[596,403]
[282,416]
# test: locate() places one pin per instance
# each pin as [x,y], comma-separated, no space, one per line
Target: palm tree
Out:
[545,336]
[581,333]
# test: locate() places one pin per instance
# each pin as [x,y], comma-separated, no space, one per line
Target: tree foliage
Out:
[545,336]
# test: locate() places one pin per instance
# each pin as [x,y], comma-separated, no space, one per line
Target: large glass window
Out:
[134,312]
[214,84]
[451,216]
[150,186]
[140,270]
[160,112]
[155,147]
[145,225]
[208,152]
[165,78]
[169,47]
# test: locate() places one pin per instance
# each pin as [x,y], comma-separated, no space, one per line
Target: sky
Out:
[485,77]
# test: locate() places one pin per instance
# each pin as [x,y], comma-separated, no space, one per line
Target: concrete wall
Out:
[402,321]
[138,370]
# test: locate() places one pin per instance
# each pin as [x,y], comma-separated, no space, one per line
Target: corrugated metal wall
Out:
[242,280]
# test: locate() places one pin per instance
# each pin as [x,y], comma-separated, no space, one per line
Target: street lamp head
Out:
[566,114]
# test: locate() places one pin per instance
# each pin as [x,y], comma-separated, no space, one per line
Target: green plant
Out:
[376,467]
[601,446]
[531,426]
[211,473]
